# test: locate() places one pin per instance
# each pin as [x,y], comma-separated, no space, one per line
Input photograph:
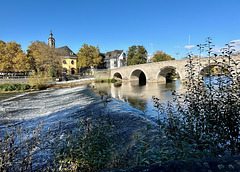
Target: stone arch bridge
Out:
[157,72]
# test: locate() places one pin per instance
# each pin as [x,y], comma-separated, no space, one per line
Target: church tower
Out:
[51,40]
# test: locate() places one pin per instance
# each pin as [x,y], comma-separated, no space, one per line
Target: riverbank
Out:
[69,84]
[52,85]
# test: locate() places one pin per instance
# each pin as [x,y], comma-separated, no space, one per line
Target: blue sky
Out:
[118,24]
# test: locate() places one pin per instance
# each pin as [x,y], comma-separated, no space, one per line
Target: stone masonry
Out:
[156,72]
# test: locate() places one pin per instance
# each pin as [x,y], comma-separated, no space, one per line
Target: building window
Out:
[72,62]
[65,70]
[64,62]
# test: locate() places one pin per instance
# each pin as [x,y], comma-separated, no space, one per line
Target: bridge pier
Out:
[162,80]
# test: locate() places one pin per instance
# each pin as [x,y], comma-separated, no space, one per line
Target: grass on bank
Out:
[113,80]
[4,88]
[15,87]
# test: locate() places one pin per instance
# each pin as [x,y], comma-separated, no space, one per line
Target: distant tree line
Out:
[40,58]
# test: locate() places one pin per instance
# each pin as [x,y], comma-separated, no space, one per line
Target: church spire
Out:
[51,40]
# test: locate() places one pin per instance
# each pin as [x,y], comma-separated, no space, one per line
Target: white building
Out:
[115,59]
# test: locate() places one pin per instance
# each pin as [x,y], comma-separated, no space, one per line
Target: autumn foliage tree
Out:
[88,56]
[12,58]
[136,55]
[44,59]
[161,56]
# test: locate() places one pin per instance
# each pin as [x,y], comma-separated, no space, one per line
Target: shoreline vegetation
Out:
[11,88]
[16,87]
[113,80]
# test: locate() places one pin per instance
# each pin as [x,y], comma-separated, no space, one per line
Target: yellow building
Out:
[69,58]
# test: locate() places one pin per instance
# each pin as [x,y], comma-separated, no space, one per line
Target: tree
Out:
[12,58]
[195,57]
[136,55]
[161,56]
[44,59]
[88,56]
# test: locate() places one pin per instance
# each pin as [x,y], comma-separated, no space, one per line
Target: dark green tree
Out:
[161,56]
[136,55]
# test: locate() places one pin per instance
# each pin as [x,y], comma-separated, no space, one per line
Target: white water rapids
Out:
[54,105]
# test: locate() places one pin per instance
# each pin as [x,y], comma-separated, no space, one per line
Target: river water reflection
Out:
[140,97]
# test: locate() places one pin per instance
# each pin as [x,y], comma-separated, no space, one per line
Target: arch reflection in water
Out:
[140,96]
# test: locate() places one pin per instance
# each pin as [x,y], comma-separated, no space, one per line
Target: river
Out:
[140,96]
[38,105]
[19,107]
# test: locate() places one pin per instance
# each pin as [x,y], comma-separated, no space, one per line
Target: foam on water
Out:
[39,104]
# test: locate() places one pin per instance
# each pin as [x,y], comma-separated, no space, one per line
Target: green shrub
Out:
[113,80]
[14,87]
[88,149]
[10,87]
[38,79]
[2,86]
[17,146]
[25,87]
[205,120]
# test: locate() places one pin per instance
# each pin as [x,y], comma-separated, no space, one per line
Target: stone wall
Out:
[14,81]
[105,74]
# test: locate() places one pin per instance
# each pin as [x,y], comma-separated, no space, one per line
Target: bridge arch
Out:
[117,75]
[205,69]
[162,75]
[138,75]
